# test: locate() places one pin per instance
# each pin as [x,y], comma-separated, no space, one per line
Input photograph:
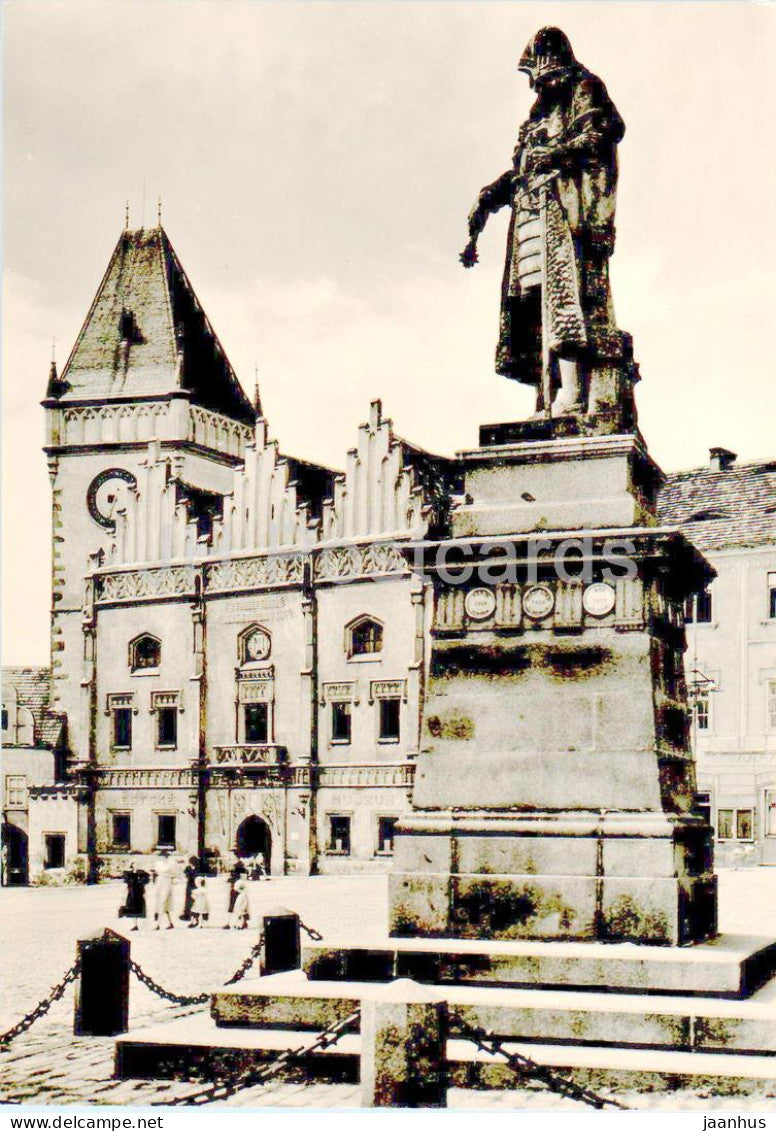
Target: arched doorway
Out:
[254,839]
[15,858]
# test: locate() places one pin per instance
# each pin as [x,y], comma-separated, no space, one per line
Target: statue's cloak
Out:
[581,129]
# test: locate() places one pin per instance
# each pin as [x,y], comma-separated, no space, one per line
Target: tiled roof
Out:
[33,689]
[719,509]
[145,298]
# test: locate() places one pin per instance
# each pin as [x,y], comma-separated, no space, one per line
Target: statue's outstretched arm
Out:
[490,199]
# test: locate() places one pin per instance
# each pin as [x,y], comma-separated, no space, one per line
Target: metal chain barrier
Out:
[42,1008]
[229,1085]
[195,999]
[245,966]
[311,932]
[528,1068]
[160,991]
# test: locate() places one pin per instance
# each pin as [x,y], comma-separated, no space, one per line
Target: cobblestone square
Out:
[40,926]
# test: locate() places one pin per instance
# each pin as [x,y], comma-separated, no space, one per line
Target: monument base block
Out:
[552,876]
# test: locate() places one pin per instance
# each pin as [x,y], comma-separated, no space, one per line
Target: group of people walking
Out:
[155,887]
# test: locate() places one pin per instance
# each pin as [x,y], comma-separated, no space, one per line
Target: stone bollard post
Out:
[282,941]
[102,991]
[403,1031]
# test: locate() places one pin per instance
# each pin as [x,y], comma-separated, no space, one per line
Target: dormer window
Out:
[364,637]
[145,653]
[128,328]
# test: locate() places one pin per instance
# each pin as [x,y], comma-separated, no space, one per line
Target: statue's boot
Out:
[568,400]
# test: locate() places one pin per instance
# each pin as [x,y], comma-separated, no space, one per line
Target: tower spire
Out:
[55,387]
[126,217]
[256,394]
[159,212]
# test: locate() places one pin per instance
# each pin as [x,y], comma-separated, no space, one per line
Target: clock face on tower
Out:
[107,492]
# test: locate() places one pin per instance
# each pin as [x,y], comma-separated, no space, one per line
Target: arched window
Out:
[145,653]
[364,637]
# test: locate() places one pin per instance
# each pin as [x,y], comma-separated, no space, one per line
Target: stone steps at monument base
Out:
[729,966]
[710,1025]
[195,1048]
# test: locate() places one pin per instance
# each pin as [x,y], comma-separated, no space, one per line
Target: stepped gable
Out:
[33,691]
[146,335]
[390,487]
[732,506]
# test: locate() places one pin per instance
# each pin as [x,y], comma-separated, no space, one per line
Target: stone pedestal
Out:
[544,481]
[554,791]
[403,1033]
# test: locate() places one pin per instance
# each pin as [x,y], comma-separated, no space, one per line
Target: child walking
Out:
[200,905]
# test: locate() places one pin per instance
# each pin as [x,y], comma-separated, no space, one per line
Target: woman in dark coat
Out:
[191,871]
[238,871]
[135,904]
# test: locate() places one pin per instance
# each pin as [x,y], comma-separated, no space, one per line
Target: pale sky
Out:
[317,162]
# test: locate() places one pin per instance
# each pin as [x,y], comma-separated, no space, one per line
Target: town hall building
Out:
[237,639]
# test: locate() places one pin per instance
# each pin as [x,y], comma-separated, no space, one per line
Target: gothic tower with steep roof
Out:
[146,376]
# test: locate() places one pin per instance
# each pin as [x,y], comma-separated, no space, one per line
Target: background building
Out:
[33,741]
[729,512]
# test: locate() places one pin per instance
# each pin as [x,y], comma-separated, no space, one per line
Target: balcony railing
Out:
[249,754]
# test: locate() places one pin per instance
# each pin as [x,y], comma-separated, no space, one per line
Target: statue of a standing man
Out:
[556,311]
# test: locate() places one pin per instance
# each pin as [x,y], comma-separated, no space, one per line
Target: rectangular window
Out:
[340,722]
[770,812]
[386,830]
[5,719]
[165,830]
[744,826]
[122,728]
[167,726]
[15,791]
[703,607]
[772,596]
[390,720]
[703,806]
[121,827]
[339,835]
[735,824]
[725,824]
[54,847]
[770,704]
[256,722]
[698,608]
[702,716]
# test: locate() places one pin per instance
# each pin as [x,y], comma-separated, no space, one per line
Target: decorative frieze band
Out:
[388,689]
[133,423]
[249,755]
[253,573]
[345,692]
[549,603]
[143,584]
[335,777]
[262,571]
[161,699]
[129,778]
[117,701]
[304,776]
[256,690]
[211,430]
[347,562]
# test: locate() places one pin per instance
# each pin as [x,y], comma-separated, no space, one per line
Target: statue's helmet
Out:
[548,55]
